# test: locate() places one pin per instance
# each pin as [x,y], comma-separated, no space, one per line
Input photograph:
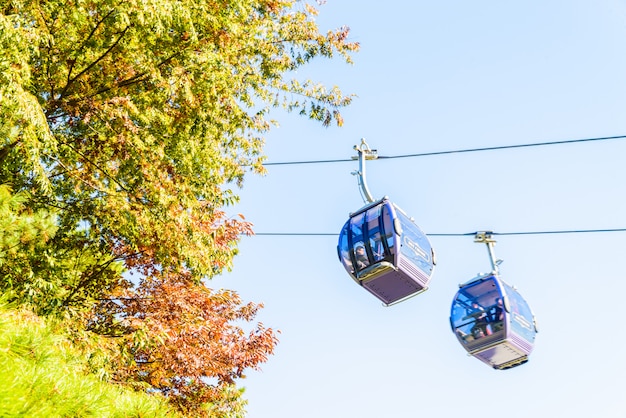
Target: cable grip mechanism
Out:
[486,237]
[364,153]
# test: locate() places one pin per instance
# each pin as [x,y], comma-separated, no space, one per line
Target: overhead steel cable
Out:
[459,151]
[461,234]
[502,147]
[309,162]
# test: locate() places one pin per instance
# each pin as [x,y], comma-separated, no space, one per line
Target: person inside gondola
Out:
[361,257]
[377,248]
[481,326]
[497,317]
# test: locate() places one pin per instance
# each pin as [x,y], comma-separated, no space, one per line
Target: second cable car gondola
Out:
[491,320]
[381,247]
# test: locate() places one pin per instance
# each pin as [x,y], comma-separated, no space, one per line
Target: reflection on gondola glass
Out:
[415,245]
[522,321]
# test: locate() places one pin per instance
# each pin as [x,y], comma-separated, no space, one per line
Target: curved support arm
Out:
[365,153]
[485,237]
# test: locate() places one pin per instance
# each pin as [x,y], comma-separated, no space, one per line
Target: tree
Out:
[131,121]
[23,247]
[195,350]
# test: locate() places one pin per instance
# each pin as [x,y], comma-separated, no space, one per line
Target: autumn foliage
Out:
[195,349]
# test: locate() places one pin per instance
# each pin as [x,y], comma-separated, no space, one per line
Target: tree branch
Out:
[4,151]
[99,268]
[80,48]
[90,66]
[138,78]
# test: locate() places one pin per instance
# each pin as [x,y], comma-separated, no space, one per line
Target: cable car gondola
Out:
[383,250]
[491,320]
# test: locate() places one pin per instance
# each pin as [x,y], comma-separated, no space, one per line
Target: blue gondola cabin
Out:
[384,251]
[493,322]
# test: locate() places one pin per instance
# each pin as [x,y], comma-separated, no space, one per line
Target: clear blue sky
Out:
[432,76]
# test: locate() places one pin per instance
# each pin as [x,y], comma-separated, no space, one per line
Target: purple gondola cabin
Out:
[493,322]
[385,252]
